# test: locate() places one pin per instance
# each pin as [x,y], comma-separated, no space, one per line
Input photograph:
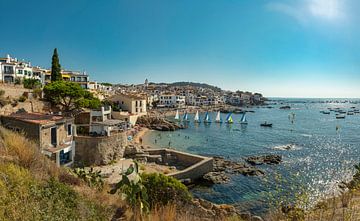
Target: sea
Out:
[323,152]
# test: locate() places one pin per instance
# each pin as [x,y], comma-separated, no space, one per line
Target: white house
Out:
[171,100]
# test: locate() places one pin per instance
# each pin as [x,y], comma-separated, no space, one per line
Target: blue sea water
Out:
[325,150]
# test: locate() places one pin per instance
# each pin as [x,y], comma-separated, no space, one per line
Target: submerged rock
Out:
[266,159]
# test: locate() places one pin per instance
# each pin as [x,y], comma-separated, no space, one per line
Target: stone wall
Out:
[197,165]
[99,150]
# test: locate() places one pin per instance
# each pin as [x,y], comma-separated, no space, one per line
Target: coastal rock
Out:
[223,167]
[266,159]
[216,177]
[157,123]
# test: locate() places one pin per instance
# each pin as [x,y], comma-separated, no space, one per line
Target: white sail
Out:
[196,118]
[177,117]
[217,119]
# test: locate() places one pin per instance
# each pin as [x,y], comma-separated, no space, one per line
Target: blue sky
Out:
[297,48]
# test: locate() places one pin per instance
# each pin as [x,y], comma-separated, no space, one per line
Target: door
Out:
[53,136]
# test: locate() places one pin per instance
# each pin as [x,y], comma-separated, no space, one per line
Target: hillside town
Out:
[80,123]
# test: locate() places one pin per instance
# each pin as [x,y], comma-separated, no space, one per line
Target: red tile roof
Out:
[37,118]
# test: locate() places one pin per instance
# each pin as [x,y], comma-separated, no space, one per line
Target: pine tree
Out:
[55,67]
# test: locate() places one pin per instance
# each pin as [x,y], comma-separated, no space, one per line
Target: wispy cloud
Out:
[305,11]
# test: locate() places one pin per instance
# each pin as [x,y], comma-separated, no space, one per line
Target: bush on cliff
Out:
[164,190]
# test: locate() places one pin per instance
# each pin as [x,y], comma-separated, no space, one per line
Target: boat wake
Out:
[306,135]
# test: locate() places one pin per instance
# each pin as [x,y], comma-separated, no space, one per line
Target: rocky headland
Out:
[158,123]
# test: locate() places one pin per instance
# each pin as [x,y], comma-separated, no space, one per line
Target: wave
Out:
[287,147]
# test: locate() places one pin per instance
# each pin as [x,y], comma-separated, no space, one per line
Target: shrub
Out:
[22,98]
[2,93]
[91,177]
[17,81]
[37,92]
[31,83]
[164,189]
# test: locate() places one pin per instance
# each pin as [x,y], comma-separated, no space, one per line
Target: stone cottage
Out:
[53,133]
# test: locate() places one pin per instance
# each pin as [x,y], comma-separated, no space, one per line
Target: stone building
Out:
[132,103]
[53,133]
[99,138]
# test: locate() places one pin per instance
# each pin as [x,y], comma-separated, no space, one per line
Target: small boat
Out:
[207,118]
[197,118]
[325,112]
[177,116]
[186,117]
[229,119]
[340,116]
[243,120]
[287,107]
[266,124]
[218,118]
[350,113]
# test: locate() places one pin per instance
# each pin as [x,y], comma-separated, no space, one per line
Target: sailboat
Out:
[218,118]
[207,118]
[186,117]
[177,117]
[243,119]
[196,118]
[229,119]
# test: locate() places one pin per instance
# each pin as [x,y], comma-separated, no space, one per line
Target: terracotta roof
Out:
[37,118]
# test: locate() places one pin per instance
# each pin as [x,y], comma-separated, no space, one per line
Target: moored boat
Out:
[207,119]
[229,119]
[243,120]
[218,118]
[266,124]
[197,118]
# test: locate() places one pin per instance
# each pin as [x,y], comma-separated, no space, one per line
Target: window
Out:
[53,136]
[69,129]
[20,71]
[25,72]
[8,70]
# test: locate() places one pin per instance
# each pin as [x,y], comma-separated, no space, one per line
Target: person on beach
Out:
[155,141]
[169,143]
[140,139]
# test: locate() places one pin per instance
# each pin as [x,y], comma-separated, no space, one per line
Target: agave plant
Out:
[132,190]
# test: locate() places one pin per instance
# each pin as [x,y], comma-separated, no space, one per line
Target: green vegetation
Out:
[147,192]
[22,98]
[106,84]
[17,81]
[31,83]
[55,67]
[34,188]
[168,189]
[91,177]
[133,191]
[69,96]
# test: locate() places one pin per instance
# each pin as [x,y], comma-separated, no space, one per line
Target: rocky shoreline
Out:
[223,168]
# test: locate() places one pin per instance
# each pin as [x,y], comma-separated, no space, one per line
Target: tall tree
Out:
[55,67]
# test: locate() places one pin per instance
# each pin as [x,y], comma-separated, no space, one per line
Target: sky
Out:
[280,48]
